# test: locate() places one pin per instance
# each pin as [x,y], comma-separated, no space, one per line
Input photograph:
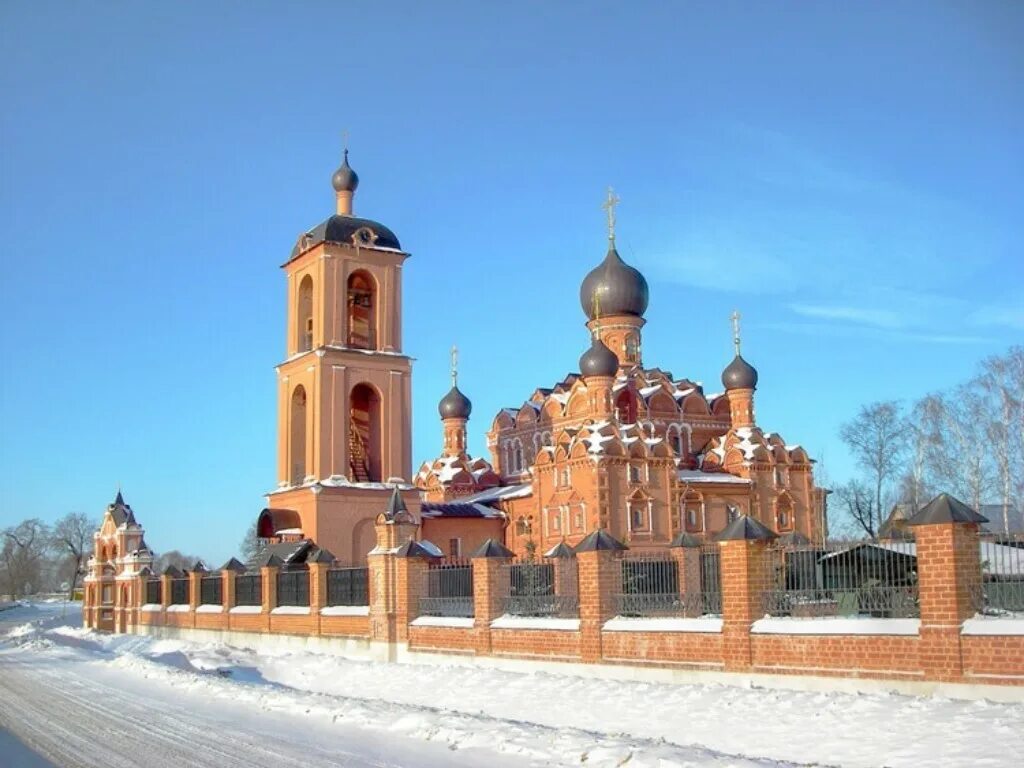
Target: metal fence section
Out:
[541,588]
[293,587]
[448,590]
[210,590]
[179,591]
[153,595]
[682,584]
[875,579]
[348,586]
[249,589]
[1002,576]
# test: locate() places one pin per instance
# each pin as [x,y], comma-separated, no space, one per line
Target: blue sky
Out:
[850,176]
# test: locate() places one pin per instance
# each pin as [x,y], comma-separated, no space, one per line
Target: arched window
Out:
[304,317]
[625,408]
[732,513]
[693,511]
[362,308]
[364,454]
[298,435]
[784,513]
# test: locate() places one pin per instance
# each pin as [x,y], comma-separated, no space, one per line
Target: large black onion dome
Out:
[599,360]
[619,289]
[739,374]
[454,405]
[345,179]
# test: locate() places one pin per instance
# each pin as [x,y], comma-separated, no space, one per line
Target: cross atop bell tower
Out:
[609,207]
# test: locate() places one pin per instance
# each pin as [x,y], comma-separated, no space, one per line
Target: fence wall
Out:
[921,611]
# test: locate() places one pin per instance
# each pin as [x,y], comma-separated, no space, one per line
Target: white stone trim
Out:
[345,610]
[535,622]
[703,624]
[992,626]
[836,626]
[460,622]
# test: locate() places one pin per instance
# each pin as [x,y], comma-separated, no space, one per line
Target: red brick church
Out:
[615,444]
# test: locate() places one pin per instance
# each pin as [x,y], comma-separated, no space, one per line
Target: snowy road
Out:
[201,704]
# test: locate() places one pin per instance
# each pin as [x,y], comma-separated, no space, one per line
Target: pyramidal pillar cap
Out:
[746,528]
[600,541]
[492,548]
[945,509]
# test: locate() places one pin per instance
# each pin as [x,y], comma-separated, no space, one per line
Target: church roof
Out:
[342,229]
[434,509]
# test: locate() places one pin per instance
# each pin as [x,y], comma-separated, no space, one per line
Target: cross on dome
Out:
[735,316]
[609,206]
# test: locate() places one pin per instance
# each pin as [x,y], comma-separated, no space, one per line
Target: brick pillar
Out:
[268,575]
[949,574]
[317,590]
[410,574]
[600,579]
[948,578]
[165,590]
[490,587]
[194,594]
[743,547]
[227,589]
[394,584]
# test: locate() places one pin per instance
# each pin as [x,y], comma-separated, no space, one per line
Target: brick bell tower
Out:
[344,388]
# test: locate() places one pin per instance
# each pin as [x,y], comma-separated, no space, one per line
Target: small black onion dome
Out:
[454,405]
[739,374]
[345,179]
[620,289]
[598,360]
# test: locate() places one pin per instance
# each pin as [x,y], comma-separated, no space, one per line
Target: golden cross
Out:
[609,206]
[736,330]
[455,365]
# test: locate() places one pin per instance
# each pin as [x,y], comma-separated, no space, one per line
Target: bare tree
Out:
[24,554]
[176,558]
[877,436]
[856,501]
[252,545]
[1002,380]
[72,535]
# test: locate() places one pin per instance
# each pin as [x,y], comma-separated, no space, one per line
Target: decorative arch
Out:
[692,509]
[784,512]
[362,310]
[304,316]
[364,434]
[297,435]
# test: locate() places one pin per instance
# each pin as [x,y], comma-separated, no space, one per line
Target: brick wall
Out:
[940,650]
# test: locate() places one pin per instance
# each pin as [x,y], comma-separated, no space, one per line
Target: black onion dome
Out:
[342,229]
[454,405]
[345,179]
[599,360]
[619,289]
[739,374]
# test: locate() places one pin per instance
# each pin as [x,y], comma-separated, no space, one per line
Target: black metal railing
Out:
[293,587]
[249,589]
[348,586]
[210,590]
[874,579]
[179,592]
[660,585]
[153,592]
[538,588]
[448,590]
[1001,588]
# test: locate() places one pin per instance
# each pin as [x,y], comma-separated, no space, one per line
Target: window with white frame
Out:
[635,473]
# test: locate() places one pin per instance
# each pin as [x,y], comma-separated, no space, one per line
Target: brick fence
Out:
[947,644]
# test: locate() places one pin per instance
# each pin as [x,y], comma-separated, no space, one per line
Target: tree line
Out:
[967,441]
[38,558]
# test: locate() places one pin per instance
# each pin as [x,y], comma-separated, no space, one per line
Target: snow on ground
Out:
[423,715]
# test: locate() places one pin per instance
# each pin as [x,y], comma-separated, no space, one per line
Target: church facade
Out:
[615,445]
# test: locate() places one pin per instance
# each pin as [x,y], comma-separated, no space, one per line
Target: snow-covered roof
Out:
[697,476]
[518,491]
